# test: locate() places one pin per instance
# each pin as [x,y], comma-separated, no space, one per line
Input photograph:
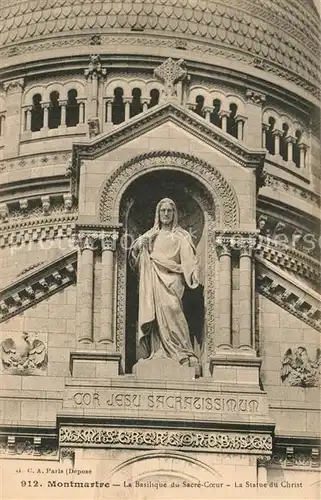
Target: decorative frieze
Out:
[299,370]
[169,439]
[33,161]
[294,458]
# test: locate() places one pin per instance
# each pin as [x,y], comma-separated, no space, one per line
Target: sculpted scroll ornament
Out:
[24,358]
[165,439]
[299,370]
[170,72]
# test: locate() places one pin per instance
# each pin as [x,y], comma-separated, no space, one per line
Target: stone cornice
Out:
[37,285]
[185,119]
[290,258]
[289,293]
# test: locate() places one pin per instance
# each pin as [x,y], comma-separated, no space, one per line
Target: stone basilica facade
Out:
[105,108]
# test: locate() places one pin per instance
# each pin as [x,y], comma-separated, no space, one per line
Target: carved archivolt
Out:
[223,195]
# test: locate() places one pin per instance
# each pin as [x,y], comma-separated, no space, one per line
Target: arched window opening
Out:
[283,143]
[136,105]
[231,122]
[270,142]
[199,105]
[54,110]
[118,107]
[296,149]
[36,114]
[215,115]
[72,110]
[154,98]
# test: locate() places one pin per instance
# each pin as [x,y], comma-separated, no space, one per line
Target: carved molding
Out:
[299,459]
[185,119]
[289,258]
[289,293]
[14,86]
[226,205]
[279,184]
[151,439]
[31,447]
[37,285]
[36,160]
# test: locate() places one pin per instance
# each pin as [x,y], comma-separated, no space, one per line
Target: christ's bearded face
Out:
[166,213]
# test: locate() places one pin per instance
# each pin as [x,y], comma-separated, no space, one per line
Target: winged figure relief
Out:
[24,356]
[298,369]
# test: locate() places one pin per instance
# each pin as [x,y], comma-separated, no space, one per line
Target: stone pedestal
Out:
[160,368]
[94,364]
[238,366]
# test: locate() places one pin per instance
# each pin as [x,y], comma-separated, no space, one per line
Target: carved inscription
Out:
[169,401]
[171,439]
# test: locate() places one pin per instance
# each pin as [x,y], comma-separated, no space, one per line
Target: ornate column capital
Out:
[95,68]
[45,105]
[13,86]
[109,240]
[242,241]
[87,241]
[290,139]
[277,132]
[255,97]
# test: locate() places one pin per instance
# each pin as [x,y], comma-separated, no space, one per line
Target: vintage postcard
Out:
[160,249]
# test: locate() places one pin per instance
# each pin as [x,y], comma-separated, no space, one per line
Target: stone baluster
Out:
[225,331]
[246,291]
[108,246]
[85,295]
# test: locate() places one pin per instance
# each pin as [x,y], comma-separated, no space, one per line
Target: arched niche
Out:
[134,189]
[170,467]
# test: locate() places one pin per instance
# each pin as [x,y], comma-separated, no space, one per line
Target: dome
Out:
[278,36]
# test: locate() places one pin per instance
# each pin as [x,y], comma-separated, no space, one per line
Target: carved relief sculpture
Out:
[166,260]
[24,358]
[299,370]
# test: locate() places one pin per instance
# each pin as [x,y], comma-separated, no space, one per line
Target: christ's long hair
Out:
[157,224]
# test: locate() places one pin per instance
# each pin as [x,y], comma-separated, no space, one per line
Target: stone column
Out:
[145,105]
[127,109]
[108,246]
[303,149]
[45,106]
[290,141]
[13,89]
[109,115]
[208,112]
[28,118]
[224,115]
[224,334]
[81,112]
[254,104]
[277,141]
[240,128]
[2,122]
[246,295]
[262,463]
[63,105]
[265,128]
[85,309]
